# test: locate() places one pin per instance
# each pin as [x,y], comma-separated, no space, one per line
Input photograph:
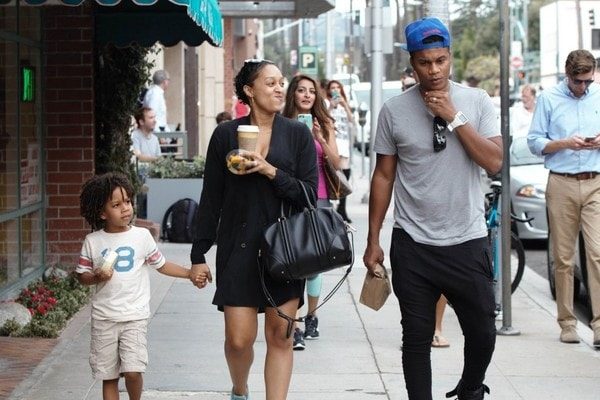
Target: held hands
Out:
[440,104]
[200,275]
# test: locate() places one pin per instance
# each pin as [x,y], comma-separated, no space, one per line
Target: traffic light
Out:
[592,14]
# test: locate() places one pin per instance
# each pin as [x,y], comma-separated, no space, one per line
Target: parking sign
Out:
[308,60]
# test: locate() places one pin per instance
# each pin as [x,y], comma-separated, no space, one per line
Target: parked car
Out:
[528,178]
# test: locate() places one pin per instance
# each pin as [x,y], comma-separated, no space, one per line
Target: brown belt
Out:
[582,176]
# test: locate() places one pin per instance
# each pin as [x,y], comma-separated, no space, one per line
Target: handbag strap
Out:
[310,206]
[291,320]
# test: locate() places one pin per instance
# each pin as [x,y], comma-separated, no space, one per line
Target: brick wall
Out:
[69,118]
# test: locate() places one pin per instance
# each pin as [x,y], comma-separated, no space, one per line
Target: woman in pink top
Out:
[303,97]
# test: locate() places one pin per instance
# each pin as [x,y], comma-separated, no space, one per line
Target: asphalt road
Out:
[535,258]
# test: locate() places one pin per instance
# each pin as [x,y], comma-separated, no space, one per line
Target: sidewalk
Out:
[358,356]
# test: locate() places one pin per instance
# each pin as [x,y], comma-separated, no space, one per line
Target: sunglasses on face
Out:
[439,139]
[578,82]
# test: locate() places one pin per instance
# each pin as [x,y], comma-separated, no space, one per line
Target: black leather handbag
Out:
[305,244]
[302,245]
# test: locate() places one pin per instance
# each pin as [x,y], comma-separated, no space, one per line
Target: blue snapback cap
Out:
[416,32]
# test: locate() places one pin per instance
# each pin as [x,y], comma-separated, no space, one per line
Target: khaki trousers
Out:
[573,204]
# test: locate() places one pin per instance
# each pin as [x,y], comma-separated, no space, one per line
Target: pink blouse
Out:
[321,188]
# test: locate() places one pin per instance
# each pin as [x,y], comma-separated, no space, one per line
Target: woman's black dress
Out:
[240,207]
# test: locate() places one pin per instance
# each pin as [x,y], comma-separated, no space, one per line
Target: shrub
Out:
[169,168]
[51,304]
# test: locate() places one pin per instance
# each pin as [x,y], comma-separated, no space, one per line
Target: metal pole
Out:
[376,75]
[350,72]
[506,328]
[579,27]
[329,45]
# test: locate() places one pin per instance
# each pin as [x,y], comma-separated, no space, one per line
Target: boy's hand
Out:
[200,275]
[103,274]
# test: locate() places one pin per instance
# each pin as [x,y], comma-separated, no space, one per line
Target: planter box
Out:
[164,192]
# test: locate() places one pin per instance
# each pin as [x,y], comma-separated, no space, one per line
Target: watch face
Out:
[462,118]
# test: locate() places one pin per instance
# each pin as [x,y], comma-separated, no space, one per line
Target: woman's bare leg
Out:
[280,358]
[241,324]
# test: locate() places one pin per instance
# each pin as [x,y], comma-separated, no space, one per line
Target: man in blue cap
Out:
[432,141]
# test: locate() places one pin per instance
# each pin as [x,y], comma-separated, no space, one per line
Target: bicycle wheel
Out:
[517,261]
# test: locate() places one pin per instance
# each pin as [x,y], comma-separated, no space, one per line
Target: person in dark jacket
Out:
[235,208]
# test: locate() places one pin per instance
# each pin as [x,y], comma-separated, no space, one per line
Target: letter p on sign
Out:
[308,60]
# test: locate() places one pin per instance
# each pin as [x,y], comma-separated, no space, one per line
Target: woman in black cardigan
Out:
[239,207]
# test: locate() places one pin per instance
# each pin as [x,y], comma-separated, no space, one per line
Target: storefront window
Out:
[8,126]
[21,144]
[31,242]
[30,182]
[9,252]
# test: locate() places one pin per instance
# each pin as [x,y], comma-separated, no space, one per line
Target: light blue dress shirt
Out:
[558,115]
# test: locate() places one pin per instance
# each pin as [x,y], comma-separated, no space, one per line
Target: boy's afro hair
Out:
[97,191]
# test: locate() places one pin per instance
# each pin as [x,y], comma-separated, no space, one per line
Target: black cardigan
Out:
[241,206]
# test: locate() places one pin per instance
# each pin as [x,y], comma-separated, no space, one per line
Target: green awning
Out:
[204,13]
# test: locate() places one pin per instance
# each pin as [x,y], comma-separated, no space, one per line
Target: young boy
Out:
[121,303]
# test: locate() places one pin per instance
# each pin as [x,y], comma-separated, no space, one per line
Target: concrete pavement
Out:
[357,357]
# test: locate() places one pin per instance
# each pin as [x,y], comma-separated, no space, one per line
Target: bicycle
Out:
[517,252]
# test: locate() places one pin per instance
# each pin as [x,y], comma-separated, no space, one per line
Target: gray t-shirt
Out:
[148,145]
[437,196]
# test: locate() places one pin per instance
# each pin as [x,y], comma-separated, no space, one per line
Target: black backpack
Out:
[178,222]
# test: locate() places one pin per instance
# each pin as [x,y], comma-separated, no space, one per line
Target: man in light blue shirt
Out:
[566,131]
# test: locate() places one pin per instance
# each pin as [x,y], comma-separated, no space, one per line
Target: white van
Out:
[346,79]
[362,93]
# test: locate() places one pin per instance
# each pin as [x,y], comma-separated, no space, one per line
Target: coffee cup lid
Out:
[248,128]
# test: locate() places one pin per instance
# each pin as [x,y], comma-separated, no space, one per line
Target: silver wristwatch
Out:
[459,120]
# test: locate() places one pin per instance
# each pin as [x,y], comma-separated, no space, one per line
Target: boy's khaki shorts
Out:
[118,347]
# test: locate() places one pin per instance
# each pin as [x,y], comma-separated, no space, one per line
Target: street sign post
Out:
[308,60]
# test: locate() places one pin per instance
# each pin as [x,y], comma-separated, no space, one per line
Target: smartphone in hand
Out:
[307,119]
[589,139]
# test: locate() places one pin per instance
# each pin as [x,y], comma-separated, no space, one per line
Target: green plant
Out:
[170,168]
[51,304]
[121,73]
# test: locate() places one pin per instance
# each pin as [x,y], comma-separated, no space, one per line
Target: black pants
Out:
[463,273]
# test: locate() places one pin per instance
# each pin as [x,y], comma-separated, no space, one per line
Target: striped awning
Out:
[205,13]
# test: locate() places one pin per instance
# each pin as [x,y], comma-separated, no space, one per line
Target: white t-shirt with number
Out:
[126,296]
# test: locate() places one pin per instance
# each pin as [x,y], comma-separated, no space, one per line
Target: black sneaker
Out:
[298,340]
[311,327]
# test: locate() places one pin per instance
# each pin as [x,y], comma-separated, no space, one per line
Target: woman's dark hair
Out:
[342,92]
[247,76]
[318,110]
[97,191]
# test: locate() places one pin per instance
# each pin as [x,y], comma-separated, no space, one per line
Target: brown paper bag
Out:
[376,288]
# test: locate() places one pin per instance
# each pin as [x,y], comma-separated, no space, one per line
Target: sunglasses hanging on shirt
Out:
[439,139]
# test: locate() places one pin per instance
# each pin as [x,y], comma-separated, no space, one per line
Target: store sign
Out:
[308,60]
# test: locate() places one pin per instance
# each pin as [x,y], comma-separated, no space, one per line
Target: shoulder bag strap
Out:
[291,320]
